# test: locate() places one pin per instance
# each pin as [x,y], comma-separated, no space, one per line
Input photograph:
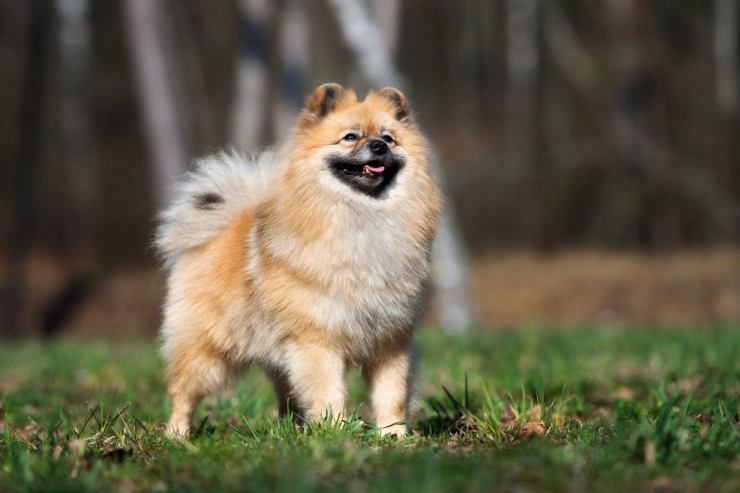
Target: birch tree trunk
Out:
[625,56]
[294,59]
[148,35]
[726,92]
[522,61]
[373,50]
[74,122]
[251,93]
[725,55]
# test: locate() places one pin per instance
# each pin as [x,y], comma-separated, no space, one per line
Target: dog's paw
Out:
[177,430]
[400,430]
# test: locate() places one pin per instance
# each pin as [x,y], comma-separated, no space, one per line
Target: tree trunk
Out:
[294,59]
[150,44]
[23,208]
[74,123]
[522,60]
[726,92]
[249,116]
[450,280]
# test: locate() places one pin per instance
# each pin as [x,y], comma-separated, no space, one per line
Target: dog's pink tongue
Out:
[373,169]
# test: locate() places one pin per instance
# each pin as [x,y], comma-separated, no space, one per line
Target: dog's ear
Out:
[324,100]
[401,108]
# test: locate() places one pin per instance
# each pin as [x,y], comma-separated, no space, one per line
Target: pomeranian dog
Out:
[306,260]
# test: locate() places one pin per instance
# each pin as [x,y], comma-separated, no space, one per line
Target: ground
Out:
[526,409]
[508,289]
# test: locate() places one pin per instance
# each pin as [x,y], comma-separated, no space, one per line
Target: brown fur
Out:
[310,276]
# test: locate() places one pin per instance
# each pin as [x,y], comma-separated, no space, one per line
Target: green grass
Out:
[582,409]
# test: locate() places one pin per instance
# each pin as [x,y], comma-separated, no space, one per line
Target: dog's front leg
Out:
[390,382]
[316,375]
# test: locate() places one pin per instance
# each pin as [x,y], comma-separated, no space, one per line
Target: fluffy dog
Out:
[305,260]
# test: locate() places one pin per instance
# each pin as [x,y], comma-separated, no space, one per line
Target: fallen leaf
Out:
[663,484]
[534,413]
[116,455]
[531,428]
[685,385]
[76,448]
[464,424]
[625,393]
[508,415]
[649,453]
[704,419]
[558,419]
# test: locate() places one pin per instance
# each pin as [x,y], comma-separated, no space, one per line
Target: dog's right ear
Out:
[323,101]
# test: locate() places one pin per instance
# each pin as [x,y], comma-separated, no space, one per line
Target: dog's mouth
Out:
[372,168]
[369,177]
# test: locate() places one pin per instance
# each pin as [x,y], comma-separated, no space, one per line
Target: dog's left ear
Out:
[401,107]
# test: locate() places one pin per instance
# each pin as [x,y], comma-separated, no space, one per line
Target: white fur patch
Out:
[238,182]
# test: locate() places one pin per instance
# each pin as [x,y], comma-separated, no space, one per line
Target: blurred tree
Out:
[149,34]
[250,108]
[726,55]
[523,72]
[294,59]
[523,111]
[726,91]
[74,118]
[637,104]
[373,50]
[12,301]
[72,91]
[655,165]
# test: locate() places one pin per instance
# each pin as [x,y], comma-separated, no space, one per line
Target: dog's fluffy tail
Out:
[210,197]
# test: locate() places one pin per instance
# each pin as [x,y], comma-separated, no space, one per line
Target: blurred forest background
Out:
[590,148]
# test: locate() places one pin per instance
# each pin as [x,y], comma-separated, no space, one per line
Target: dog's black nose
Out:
[378,147]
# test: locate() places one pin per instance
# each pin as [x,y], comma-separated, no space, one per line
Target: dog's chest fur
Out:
[359,277]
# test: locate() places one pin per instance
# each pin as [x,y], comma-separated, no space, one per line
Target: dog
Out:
[306,260]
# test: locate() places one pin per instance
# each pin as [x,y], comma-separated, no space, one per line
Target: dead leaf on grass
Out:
[685,386]
[465,424]
[558,419]
[127,485]
[534,413]
[508,415]
[77,448]
[625,393]
[531,428]
[664,484]
[703,419]
[113,456]
[32,431]
[649,453]
[116,455]
[453,440]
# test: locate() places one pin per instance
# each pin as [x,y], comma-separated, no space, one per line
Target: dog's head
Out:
[364,145]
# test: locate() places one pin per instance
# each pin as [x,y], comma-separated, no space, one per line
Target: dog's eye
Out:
[388,139]
[350,137]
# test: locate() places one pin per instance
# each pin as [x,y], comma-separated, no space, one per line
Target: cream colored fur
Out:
[240,181]
[295,271]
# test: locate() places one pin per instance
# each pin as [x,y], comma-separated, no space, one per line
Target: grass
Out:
[582,409]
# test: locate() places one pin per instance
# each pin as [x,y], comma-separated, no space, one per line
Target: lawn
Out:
[523,410]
